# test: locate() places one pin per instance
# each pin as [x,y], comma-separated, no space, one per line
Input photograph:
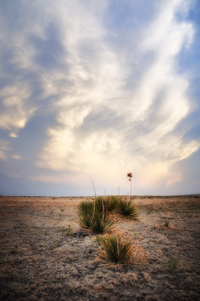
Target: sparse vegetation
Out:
[110,203]
[93,216]
[166,224]
[85,213]
[116,249]
[69,231]
[127,209]
[51,265]
[116,204]
[56,244]
[96,215]
[172,263]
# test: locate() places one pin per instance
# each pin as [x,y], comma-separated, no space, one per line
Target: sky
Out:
[91,90]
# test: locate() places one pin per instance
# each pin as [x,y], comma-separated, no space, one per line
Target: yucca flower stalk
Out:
[130,175]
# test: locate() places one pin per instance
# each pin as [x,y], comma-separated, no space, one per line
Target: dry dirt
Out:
[41,260]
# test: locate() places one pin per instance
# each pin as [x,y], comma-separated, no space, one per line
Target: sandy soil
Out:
[40,260]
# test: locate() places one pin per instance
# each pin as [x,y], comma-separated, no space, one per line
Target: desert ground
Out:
[45,256]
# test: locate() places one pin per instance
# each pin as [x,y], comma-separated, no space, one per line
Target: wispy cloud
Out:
[4,147]
[106,81]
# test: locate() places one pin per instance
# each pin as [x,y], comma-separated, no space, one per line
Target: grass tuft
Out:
[116,249]
[85,214]
[94,217]
[97,215]
[172,263]
[110,203]
[69,231]
[166,224]
[127,208]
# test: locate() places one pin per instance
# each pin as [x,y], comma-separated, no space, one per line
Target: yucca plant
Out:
[127,208]
[85,214]
[116,249]
[110,203]
[102,223]
[92,216]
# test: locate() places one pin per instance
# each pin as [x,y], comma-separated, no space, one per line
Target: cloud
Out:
[175,179]
[14,110]
[105,83]
[154,106]
[16,157]
[188,168]
[4,147]
[13,135]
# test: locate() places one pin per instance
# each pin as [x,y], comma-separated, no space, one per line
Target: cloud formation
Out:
[95,90]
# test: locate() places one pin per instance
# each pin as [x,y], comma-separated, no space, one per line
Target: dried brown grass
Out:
[72,271]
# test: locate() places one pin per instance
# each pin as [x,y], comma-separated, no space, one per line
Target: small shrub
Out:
[127,209]
[150,210]
[172,263]
[85,214]
[116,250]
[166,224]
[56,244]
[69,231]
[109,204]
[102,223]
[94,217]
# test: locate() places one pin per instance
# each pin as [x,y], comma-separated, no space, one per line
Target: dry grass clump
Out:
[172,263]
[93,216]
[85,212]
[41,260]
[116,249]
[96,215]
[117,204]
[110,203]
[120,249]
[127,209]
